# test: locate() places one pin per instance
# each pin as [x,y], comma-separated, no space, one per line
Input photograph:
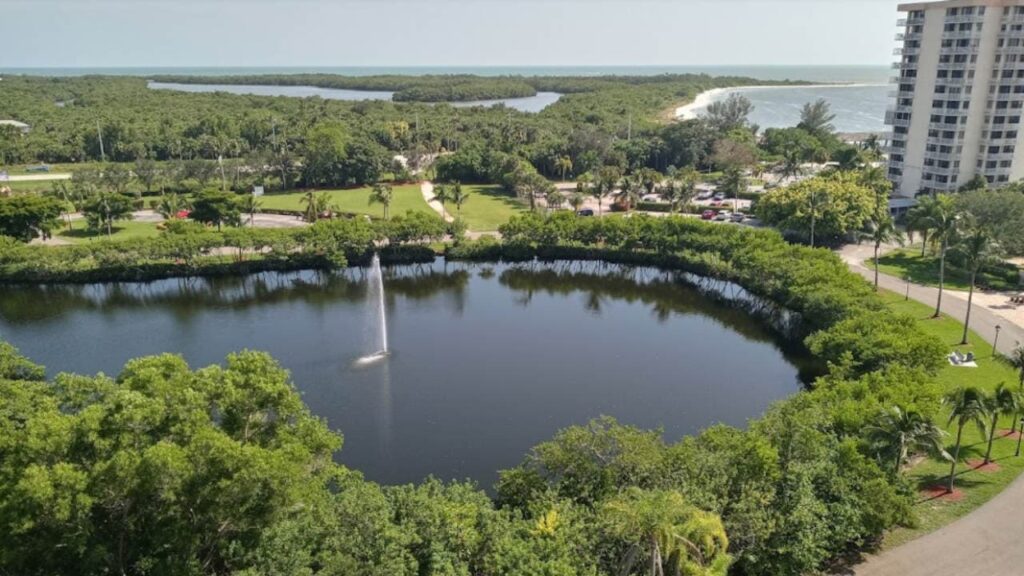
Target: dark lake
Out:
[488,360]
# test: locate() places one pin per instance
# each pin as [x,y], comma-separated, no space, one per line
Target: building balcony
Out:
[1000,156]
[906,51]
[895,163]
[904,65]
[959,50]
[902,79]
[958,34]
[963,18]
[950,81]
[942,156]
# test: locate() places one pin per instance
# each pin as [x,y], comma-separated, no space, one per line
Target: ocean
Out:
[858,108]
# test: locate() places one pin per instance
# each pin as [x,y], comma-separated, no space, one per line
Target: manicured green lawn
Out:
[978,486]
[487,208]
[925,270]
[127,230]
[356,200]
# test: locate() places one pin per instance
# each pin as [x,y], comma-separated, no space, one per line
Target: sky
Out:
[146,33]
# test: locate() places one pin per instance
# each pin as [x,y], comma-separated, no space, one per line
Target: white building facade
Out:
[959,96]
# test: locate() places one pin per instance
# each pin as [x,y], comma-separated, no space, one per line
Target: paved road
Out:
[985,542]
[37,177]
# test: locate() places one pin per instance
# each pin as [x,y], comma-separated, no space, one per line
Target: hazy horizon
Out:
[445,33]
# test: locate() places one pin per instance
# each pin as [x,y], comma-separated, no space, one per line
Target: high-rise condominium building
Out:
[959,95]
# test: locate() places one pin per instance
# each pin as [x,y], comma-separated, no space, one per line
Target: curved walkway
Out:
[986,541]
[427,189]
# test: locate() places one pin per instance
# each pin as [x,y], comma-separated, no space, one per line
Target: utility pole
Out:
[629,128]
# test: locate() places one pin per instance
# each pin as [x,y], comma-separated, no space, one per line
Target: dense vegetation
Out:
[119,475]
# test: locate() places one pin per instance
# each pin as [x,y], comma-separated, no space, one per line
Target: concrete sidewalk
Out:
[985,542]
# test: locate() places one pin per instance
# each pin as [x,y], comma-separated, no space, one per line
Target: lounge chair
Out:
[969,357]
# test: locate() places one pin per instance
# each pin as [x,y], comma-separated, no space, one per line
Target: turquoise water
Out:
[859,108]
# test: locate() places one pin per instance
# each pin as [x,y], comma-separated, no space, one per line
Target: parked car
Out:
[585,212]
[738,217]
[39,168]
[707,214]
[719,196]
[723,216]
[705,194]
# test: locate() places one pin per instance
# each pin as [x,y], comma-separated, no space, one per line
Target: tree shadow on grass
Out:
[499,194]
[86,234]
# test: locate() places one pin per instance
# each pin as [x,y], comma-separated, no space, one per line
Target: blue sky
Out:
[444,32]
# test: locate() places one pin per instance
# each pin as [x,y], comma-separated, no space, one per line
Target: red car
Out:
[707,214]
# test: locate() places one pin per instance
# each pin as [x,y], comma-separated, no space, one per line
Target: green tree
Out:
[382,194]
[577,200]
[325,155]
[728,114]
[251,204]
[564,165]
[628,195]
[170,205]
[816,118]
[1016,359]
[833,205]
[676,538]
[976,248]
[105,208]
[147,171]
[443,194]
[944,223]
[26,216]
[1002,402]
[967,406]
[14,366]
[459,196]
[881,229]
[898,434]
[920,219]
[216,208]
[554,199]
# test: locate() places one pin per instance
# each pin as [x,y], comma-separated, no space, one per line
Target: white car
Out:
[723,216]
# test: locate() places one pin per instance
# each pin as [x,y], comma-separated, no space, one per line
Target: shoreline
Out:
[704,99]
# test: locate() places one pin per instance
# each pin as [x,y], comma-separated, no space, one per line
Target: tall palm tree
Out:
[564,165]
[919,219]
[382,194]
[605,182]
[672,534]
[443,195]
[459,196]
[791,165]
[1003,402]
[881,229]
[944,223]
[967,405]
[977,248]
[898,434]
[817,201]
[170,205]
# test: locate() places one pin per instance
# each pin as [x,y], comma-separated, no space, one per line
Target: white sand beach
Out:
[692,110]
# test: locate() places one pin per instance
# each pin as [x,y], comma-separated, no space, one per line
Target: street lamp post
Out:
[1019,436]
[995,342]
[908,279]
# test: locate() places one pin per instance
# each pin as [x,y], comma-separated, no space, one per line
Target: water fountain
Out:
[376,292]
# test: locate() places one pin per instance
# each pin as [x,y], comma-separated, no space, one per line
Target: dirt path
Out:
[427,189]
[986,541]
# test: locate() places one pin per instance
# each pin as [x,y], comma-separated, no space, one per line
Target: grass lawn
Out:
[487,208]
[356,200]
[978,486]
[926,271]
[126,230]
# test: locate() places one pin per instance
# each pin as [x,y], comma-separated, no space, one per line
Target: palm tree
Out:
[605,183]
[1016,359]
[382,194]
[967,405]
[790,167]
[670,532]
[251,204]
[733,183]
[629,193]
[458,196]
[898,433]
[919,219]
[442,195]
[310,200]
[564,165]
[817,201]
[1002,402]
[60,190]
[554,199]
[977,248]
[881,230]
[170,205]
[944,222]
[576,200]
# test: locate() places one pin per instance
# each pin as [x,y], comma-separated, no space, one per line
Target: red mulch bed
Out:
[1008,434]
[938,492]
[979,465]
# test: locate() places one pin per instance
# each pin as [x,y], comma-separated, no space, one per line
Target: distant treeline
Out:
[448,87]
